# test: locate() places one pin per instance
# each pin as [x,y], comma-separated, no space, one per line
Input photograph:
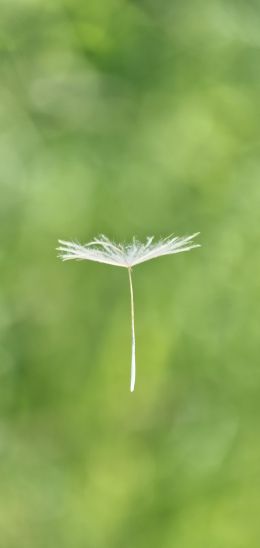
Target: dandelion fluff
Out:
[103,250]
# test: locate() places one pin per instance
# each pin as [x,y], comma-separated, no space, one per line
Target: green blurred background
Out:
[129,118]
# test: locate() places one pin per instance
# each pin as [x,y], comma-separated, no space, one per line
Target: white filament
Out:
[133,364]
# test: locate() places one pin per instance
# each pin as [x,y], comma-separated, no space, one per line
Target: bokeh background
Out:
[130,118]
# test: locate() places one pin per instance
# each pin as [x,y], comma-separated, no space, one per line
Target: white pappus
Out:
[103,250]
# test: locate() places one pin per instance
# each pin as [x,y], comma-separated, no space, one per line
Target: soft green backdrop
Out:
[130,118]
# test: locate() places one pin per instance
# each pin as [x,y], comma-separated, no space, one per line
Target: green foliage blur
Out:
[130,118]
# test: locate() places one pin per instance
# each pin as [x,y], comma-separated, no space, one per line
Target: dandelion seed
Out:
[102,250]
